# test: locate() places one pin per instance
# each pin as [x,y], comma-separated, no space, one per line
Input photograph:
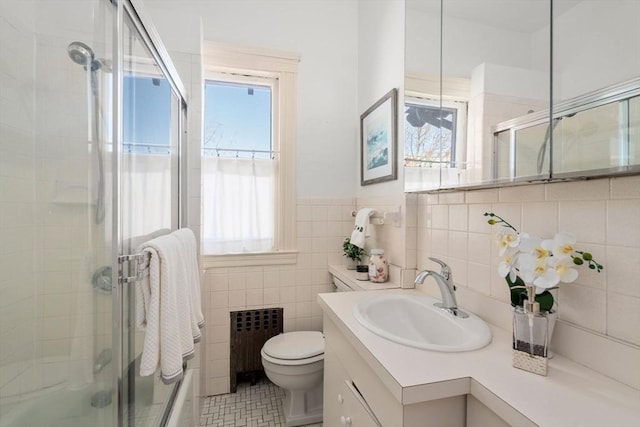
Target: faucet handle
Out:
[445,270]
[442,263]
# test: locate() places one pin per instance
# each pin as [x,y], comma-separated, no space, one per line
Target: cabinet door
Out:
[343,404]
[356,412]
[334,375]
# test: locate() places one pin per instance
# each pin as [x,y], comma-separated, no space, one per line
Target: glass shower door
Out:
[149,161]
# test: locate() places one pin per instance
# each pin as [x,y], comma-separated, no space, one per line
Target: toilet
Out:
[294,361]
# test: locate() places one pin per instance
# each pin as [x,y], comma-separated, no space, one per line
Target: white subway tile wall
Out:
[604,214]
[18,324]
[47,317]
[322,225]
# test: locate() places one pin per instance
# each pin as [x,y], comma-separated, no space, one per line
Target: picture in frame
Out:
[378,141]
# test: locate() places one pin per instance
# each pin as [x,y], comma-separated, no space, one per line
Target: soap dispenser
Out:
[530,335]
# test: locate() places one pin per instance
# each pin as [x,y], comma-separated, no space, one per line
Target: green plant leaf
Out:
[545,300]
[352,251]
[518,295]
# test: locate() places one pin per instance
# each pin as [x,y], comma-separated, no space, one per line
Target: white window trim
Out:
[220,57]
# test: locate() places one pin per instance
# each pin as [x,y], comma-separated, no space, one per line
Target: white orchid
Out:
[507,238]
[564,269]
[541,263]
[562,245]
[508,264]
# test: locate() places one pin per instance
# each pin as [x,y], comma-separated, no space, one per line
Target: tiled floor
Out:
[251,406]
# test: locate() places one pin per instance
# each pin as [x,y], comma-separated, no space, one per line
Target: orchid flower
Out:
[508,264]
[562,245]
[507,238]
[537,262]
[564,270]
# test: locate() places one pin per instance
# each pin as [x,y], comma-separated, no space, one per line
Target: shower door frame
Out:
[134,11]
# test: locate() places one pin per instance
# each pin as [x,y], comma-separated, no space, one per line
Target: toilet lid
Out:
[295,345]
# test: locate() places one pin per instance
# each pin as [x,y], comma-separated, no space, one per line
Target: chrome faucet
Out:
[444,279]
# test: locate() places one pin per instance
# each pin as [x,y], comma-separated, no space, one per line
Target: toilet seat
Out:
[294,348]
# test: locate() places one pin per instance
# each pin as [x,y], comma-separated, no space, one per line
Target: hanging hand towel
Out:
[143,297]
[168,339]
[360,229]
[191,278]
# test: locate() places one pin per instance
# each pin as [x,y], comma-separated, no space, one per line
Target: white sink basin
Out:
[412,320]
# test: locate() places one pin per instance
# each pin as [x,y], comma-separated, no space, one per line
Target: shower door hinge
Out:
[135,267]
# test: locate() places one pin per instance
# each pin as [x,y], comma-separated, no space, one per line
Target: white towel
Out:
[191,278]
[142,292]
[168,336]
[361,227]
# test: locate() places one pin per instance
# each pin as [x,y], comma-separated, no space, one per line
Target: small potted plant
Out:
[352,252]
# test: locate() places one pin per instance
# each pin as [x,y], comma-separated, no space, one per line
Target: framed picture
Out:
[378,141]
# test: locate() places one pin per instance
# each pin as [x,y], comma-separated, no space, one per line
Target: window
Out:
[432,133]
[146,114]
[238,116]
[247,156]
[240,164]
[149,168]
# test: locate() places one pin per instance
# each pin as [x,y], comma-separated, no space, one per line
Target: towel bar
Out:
[377,219]
[138,264]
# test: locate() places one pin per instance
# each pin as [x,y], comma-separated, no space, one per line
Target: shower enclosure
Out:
[91,121]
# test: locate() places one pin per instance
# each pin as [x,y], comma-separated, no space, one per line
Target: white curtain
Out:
[239,204]
[146,193]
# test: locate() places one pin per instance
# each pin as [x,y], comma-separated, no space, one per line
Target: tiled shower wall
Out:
[51,320]
[74,321]
[604,214]
[17,201]
[322,224]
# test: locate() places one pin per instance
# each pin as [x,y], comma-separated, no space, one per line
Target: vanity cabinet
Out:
[370,380]
[355,396]
[344,405]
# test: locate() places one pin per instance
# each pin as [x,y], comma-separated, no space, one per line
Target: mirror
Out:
[478,85]
[596,87]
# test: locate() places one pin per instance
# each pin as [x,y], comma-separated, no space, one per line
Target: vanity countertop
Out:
[570,395]
[349,277]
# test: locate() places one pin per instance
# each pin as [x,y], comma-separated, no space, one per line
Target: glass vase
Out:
[531,340]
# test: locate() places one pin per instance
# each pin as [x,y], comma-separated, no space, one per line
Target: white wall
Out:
[588,38]
[324,34]
[380,68]
[17,199]
[465,44]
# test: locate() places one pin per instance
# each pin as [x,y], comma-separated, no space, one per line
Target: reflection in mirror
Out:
[495,67]
[422,124]
[594,130]
[596,66]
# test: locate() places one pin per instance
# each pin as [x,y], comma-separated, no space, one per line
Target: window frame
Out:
[220,58]
[459,133]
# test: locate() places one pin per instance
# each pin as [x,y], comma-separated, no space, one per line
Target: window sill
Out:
[250,259]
